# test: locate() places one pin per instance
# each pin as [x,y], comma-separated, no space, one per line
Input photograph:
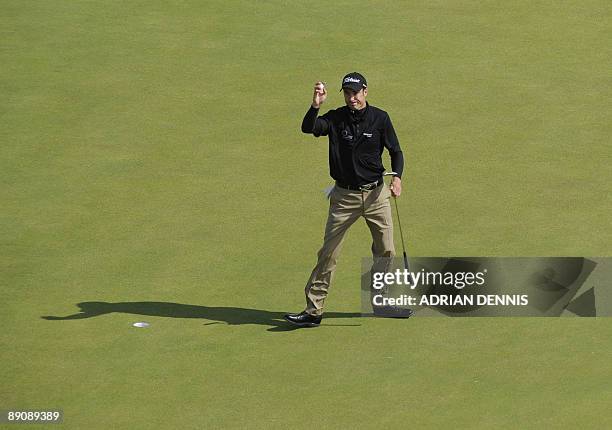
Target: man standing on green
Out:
[357,133]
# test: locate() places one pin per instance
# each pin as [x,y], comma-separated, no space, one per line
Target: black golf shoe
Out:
[304,319]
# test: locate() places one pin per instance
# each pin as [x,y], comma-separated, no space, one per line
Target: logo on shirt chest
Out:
[347,135]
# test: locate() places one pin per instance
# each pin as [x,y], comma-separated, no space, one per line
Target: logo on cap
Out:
[354,81]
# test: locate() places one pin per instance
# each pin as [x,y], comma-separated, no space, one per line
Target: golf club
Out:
[399,222]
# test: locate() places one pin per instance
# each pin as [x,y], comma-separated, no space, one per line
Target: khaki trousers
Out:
[345,207]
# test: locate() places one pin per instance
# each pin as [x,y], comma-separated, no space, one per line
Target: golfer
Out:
[357,133]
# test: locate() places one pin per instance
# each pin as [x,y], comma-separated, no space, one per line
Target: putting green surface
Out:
[153,169]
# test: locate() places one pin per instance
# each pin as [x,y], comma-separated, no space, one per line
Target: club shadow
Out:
[228,315]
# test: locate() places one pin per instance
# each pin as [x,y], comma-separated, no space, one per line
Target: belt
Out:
[365,187]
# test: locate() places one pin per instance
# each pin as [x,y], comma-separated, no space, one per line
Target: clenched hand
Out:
[320,94]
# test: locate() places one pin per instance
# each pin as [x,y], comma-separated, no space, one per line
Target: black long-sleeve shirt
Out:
[356,142]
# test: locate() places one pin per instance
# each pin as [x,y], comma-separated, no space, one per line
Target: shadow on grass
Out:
[229,315]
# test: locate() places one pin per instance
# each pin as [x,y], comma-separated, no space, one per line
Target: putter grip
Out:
[406,261]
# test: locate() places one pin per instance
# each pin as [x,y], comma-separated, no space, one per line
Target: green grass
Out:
[151,152]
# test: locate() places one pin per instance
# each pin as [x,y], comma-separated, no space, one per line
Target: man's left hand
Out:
[396,186]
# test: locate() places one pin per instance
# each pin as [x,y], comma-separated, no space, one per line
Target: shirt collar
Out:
[359,115]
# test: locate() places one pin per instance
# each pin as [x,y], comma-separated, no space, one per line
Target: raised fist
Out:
[320,94]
